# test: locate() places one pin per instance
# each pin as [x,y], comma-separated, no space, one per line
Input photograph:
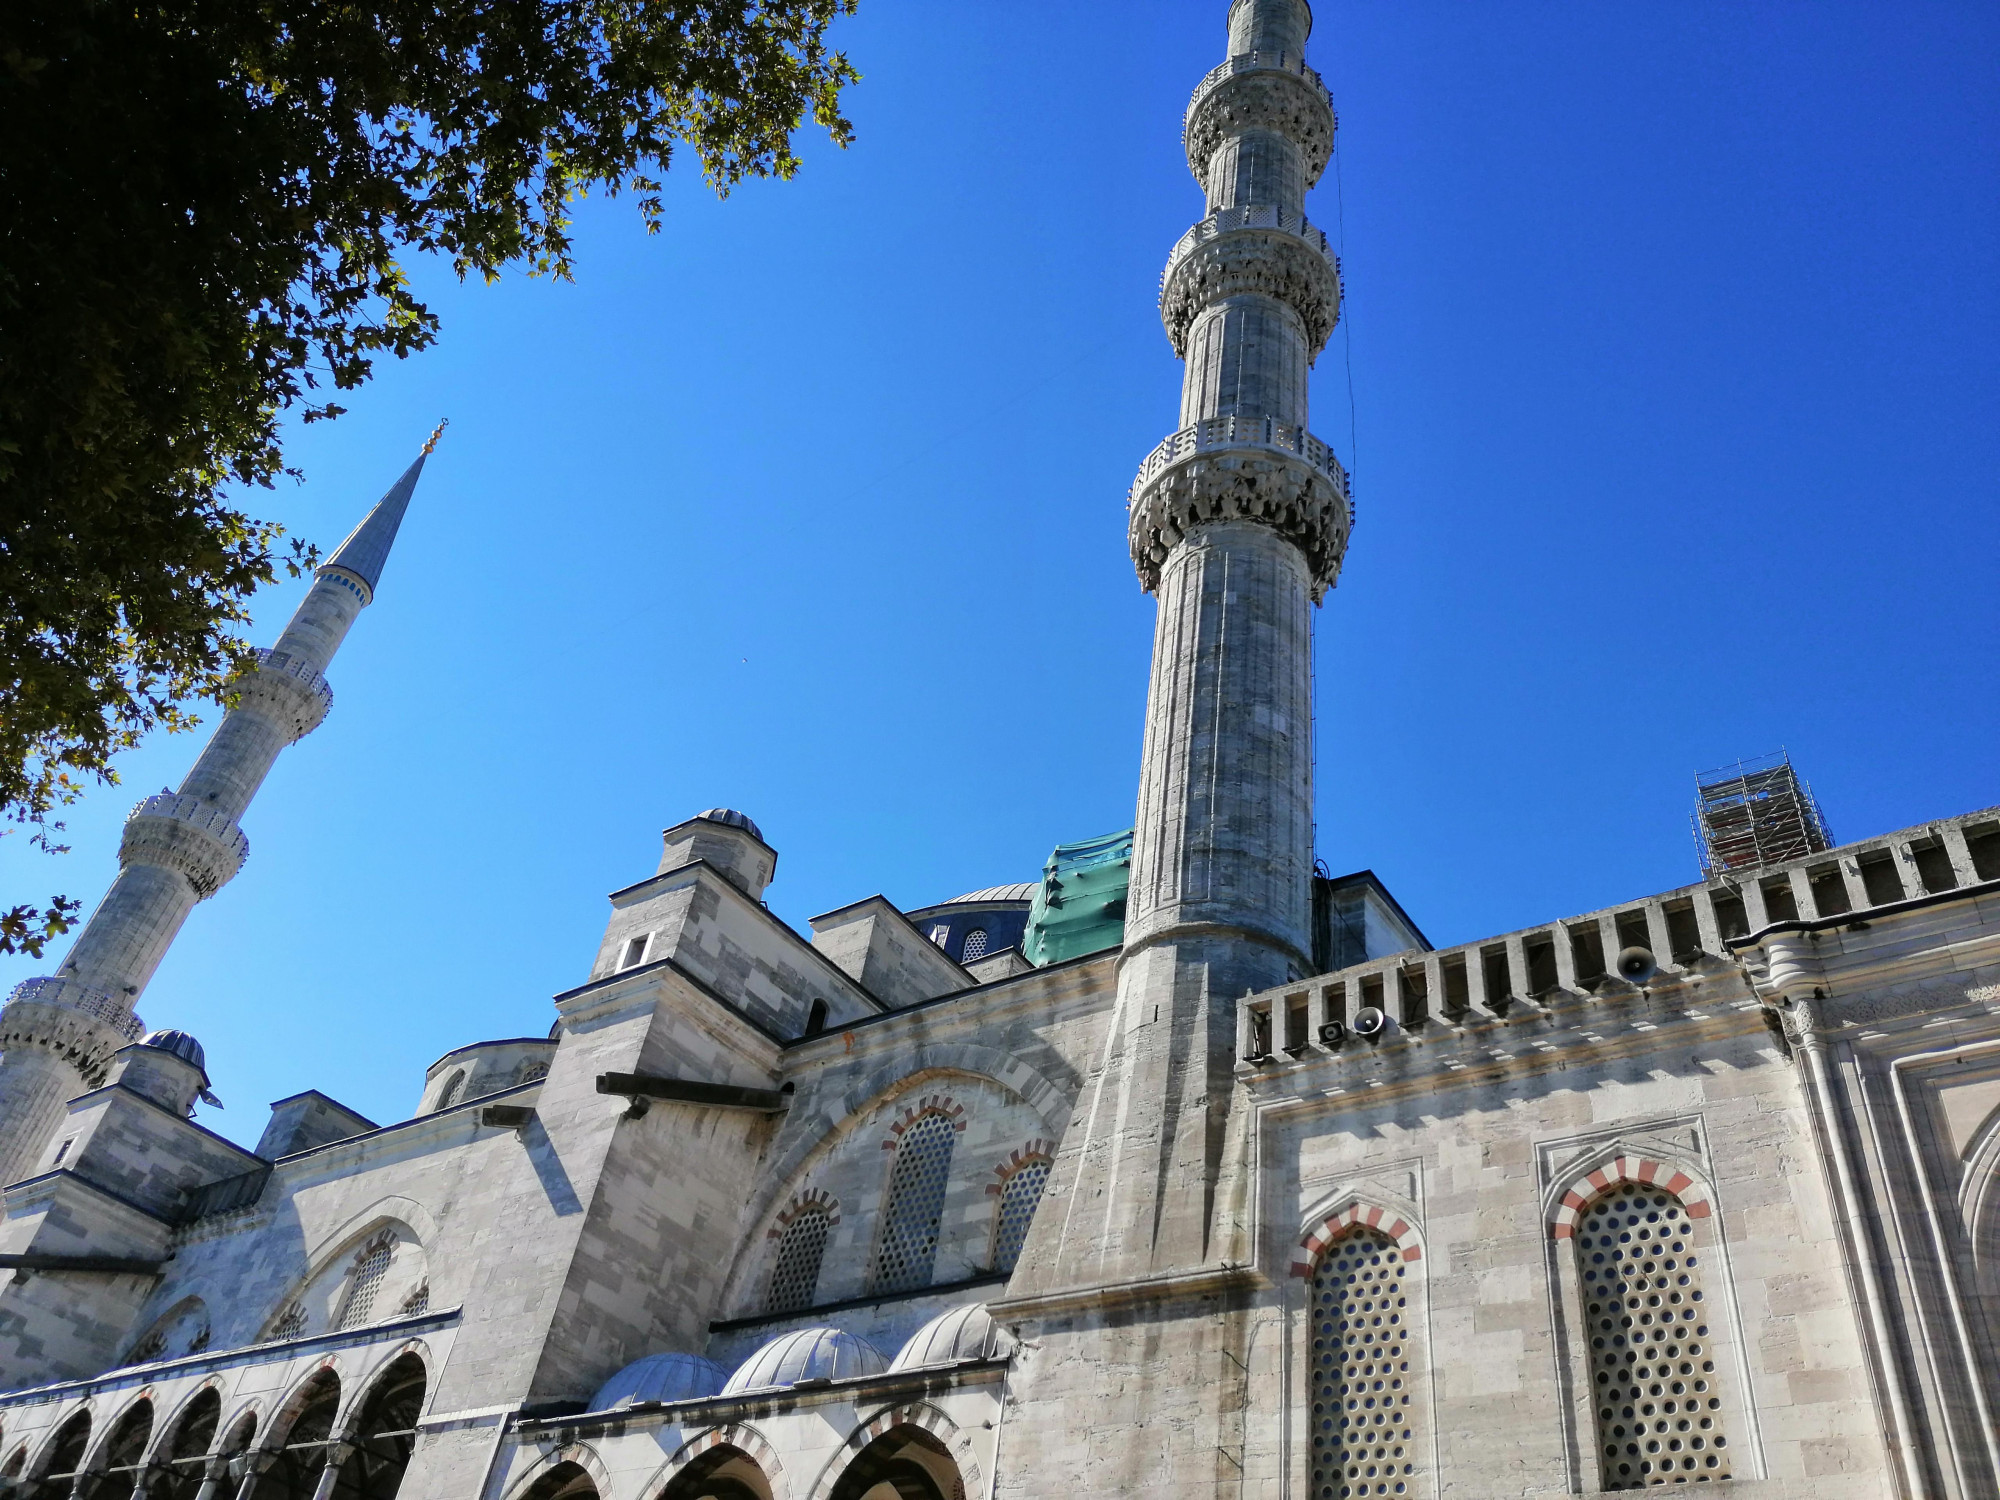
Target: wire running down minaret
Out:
[179,847]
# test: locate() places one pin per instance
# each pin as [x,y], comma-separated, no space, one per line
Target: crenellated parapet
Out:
[291,693]
[1273,92]
[70,1020]
[1241,469]
[1257,249]
[195,839]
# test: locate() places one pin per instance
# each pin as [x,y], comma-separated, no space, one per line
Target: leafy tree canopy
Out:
[202,209]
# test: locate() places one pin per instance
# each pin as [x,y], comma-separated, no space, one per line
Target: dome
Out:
[183,1046]
[994,894]
[809,1354]
[659,1377]
[734,819]
[963,1333]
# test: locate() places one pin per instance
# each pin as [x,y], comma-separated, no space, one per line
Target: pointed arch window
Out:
[1655,1387]
[1019,1195]
[975,945]
[364,1281]
[795,1274]
[915,1204]
[454,1085]
[1367,1423]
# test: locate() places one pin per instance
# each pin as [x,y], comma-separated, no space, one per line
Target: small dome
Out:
[809,1354]
[963,1333]
[994,894]
[183,1046]
[659,1377]
[734,819]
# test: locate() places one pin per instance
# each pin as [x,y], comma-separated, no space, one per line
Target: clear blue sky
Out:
[1674,384]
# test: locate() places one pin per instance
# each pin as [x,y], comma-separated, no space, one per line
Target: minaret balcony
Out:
[194,838]
[291,693]
[82,1025]
[1255,249]
[1241,469]
[1272,91]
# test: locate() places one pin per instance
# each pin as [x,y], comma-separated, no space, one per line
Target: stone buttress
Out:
[179,848]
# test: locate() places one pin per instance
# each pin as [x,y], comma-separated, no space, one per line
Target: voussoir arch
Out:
[738,1435]
[581,1454]
[1581,1189]
[918,1414]
[1352,1210]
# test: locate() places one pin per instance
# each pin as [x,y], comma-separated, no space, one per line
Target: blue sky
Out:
[1672,334]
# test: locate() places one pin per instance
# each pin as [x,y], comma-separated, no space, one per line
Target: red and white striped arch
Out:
[1367,1216]
[1623,1169]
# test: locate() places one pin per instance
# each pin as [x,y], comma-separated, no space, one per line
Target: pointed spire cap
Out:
[366,549]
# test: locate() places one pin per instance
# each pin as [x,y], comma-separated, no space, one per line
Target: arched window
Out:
[1018,1196]
[385,1433]
[364,1281]
[291,1323]
[123,1454]
[532,1070]
[915,1204]
[1365,1412]
[185,1457]
[975,945]
[795,1275]
[58,1478]
[1657,1395]
[302,1451]
[454,1085]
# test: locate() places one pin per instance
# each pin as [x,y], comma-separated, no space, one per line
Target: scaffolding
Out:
[1756,813]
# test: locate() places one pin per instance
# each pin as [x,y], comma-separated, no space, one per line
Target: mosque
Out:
[1188,1169]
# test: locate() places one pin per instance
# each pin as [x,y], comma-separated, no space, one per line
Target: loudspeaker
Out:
[1636,965]
[1370,1023]
[1332,1034]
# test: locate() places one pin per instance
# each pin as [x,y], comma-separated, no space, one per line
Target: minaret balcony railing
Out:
[292,693]
[195,838]
[68,994]
[1215,433]
[1248,216]
[1252,62]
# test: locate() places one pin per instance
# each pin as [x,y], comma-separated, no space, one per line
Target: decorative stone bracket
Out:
[1259,251]
[1272,91]
[196,839]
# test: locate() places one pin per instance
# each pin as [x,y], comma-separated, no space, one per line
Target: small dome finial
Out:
[436,433]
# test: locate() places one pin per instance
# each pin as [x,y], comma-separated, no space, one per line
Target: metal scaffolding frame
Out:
[1756,813]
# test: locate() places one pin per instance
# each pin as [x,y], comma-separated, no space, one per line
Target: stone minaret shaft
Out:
[179,848]
[1238,524]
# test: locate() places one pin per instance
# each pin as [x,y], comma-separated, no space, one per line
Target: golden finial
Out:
[438,432]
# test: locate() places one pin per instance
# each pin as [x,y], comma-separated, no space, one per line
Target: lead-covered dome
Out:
[809,1354]
[734,819]
[659,1377]
[182,1045]
[950,1338]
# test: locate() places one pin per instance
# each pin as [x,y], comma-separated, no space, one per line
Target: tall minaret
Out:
[58,1033]
[1238,524]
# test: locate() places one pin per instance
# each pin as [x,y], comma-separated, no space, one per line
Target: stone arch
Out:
[554,1472]
[312,1405]
[703,1447]
[187,1432]
[1572,1197]
[318,1300]
[1979,1207]
[121,1442]
[930,1104]
[918,1424]
[184,1328]
[68,1441]
[809,1137]
[1351,1209]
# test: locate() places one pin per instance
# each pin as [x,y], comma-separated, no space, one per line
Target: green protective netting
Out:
[1081,906]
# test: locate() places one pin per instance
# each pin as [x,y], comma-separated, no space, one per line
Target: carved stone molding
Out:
[1274,97]
[184,834]
[80,1025]
[290,693]
[1266,485]
[1270,260]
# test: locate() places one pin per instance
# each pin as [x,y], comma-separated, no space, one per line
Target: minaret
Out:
[180,847]
[1238,524]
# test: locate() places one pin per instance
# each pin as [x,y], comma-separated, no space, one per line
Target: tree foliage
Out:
[203,210]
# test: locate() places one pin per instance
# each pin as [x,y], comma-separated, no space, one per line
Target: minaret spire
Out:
[57,1034]
[1238,523]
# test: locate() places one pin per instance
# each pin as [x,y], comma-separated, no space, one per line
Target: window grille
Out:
[975,945]
[915,1204]
[199,1342]
[1364,1411]
[362,1284]
[451,1090]
[292,1324]
[531,1070]
[795,1277]
[151,1347]
[417,1302]
[1018,1197]
[1652,1370]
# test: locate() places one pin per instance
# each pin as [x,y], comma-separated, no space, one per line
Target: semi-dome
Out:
[183,1046]
[961,1334]
[733,819]
[659,1377]
[809,1354]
